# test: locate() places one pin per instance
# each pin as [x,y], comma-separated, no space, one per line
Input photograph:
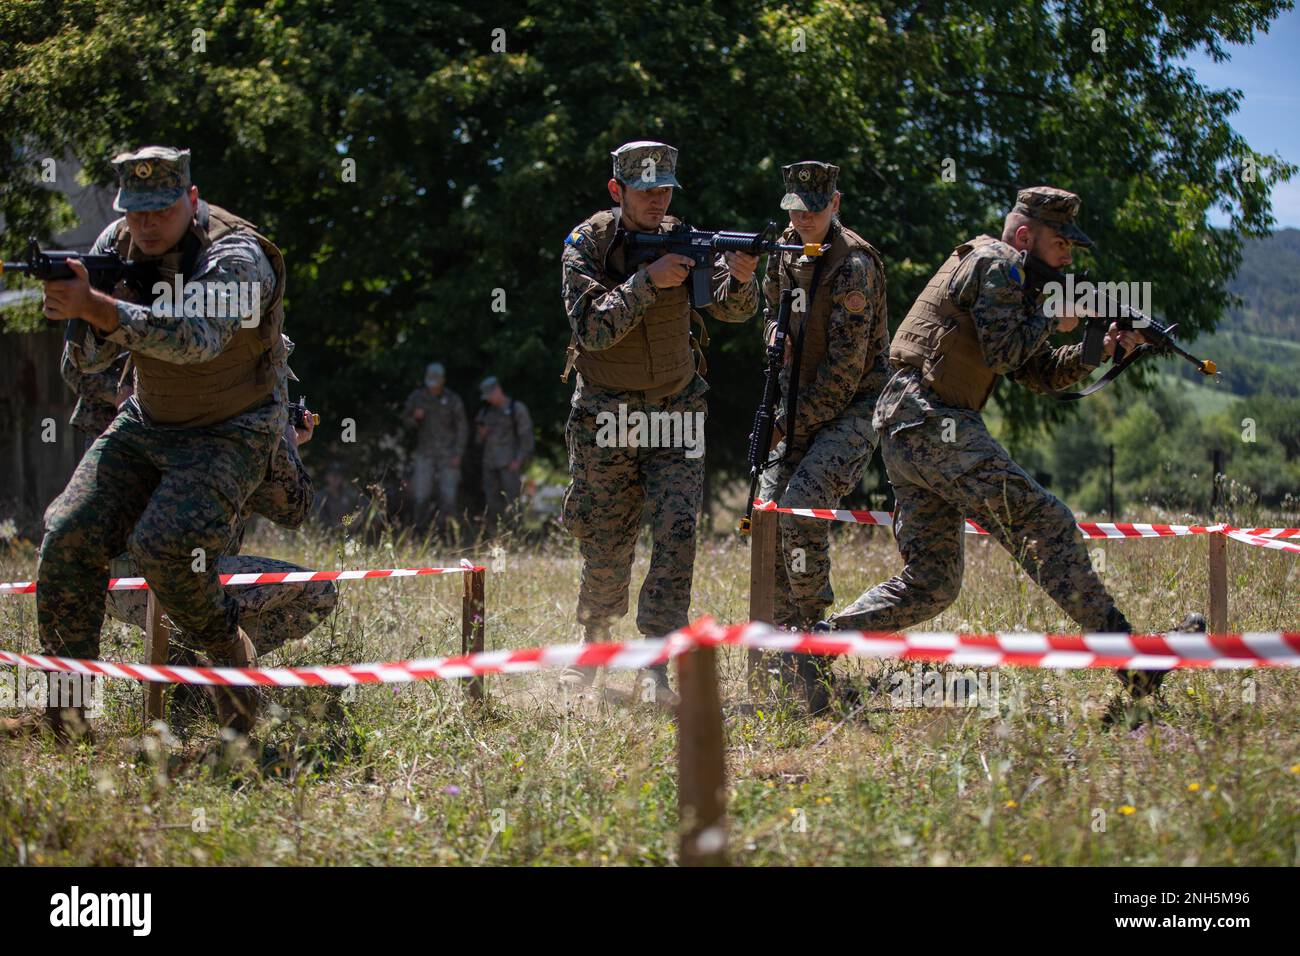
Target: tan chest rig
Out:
[658,356]
[814,321]
[243,376]
[939,338]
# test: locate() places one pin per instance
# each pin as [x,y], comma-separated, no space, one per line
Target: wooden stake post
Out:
[1218,584]
[157,639]
[764,529]
[472,607]
[701,764]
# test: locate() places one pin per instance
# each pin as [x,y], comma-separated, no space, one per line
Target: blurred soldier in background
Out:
[505,432]
[438,417]
[336,501]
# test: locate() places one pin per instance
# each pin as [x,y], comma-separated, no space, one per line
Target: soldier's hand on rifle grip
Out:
[669,270]
[74,299]
[741,265]
[1127,340]
[308,427]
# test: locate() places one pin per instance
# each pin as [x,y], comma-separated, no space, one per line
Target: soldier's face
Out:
[1050,246]
[812,226]
[643,209]
[156,231]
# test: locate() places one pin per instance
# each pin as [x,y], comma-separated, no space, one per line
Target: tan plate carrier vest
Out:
[939,338]
[658,356]
[197,394]
[817,323]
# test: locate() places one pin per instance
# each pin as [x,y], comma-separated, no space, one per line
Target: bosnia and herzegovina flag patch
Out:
[574,238]
[1016,275]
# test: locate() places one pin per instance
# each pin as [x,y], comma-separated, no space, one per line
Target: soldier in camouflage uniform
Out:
[632,346]
[976,320]
[270,614]
[505,432]
[169,478]
[99,394]
[438,415]
[838,364]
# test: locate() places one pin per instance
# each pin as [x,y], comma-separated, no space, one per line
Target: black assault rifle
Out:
[298,413]
[104,269]
[760,437]
[702,246]
[1159,337]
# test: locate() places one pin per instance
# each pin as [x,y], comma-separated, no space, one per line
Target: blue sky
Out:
[1268,74]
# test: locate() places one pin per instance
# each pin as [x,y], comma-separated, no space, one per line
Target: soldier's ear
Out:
[615,191]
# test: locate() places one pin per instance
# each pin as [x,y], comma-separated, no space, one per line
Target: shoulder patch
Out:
[1017,276]
[855,302]
[574,238]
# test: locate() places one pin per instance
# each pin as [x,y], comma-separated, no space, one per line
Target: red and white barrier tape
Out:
[1260,541]
[1260,537]
[634,655]
[1070,651]
[269,577]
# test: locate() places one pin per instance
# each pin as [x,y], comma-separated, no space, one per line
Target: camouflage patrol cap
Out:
[809,186]
[646,165]
[151,178]
[1056,207]
[488,386]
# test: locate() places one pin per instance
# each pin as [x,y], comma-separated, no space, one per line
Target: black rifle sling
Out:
[792,397]
[1116,369]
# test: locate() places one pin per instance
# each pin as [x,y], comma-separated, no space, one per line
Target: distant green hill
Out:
[1269,284]
[1256,347]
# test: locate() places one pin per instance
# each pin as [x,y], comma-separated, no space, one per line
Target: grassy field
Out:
[409,775]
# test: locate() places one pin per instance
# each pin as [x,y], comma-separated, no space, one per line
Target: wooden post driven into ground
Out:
[1218,583]
[762,590]
[701,763]
[471,623]
[156,640]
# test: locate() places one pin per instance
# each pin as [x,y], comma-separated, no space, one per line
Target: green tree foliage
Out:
[481,133]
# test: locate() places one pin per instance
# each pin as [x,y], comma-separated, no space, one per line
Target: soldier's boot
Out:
[811,675]
[237,707]
[577,679]
[66,724]
[187,699]
[652,686]
[1135,706]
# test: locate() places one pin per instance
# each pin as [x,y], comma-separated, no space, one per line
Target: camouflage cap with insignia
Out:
[809,186]
[151,178]
[646,165]
[1056,207]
